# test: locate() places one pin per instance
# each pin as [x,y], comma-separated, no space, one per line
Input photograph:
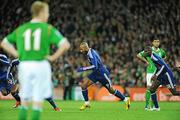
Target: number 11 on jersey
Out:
[28,39]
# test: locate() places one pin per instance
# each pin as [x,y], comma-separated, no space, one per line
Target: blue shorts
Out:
[167,79]
[6,83]
[101,75]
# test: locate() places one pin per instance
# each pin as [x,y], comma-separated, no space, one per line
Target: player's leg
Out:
[106,82]
[53,104]
[85,84]
[4,91]
[148,93]
[25,90]
[153,88]
[171,84]
[42,87]
[15,94]
[174,91]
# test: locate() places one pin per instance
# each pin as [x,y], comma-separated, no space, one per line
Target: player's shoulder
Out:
[141,52]
[4,58]
[161,49]
[22,26]
[50,26]
[94,51]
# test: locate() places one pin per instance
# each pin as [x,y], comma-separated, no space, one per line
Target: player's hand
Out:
[146,64]
[80,69]
[50,58]
[154,77]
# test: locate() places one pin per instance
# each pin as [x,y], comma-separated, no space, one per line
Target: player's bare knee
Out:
[83,86]
[4,93]
[13,92]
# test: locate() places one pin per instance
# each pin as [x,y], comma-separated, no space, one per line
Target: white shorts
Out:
[148,79]
[35,80]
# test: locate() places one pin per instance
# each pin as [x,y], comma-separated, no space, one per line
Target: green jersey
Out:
[151,68]
[33,40]
[159,52]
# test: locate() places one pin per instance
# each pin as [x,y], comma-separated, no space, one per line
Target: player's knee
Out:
[83,86]
[13,91]
[4,93]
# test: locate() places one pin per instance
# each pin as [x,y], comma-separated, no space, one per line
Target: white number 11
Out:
[27,39]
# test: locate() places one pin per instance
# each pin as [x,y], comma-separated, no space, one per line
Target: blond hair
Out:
[37,7]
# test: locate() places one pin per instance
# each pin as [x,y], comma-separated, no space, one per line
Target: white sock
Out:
[125,99]
[86,102]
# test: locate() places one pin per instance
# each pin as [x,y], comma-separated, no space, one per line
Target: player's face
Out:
[156,43]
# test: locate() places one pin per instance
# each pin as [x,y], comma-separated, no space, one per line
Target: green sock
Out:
[36,114]
[23,113]
[148,95]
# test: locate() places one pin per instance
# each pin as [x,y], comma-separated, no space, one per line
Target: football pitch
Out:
[98,111]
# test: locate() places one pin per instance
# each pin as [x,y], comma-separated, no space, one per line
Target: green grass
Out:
[98,111]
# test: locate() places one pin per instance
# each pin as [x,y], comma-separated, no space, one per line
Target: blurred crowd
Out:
[117,29]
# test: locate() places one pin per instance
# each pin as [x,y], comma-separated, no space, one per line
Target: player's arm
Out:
[60,41]
[164,54]
[141,57]
[94,65]
[7,44]
[81,69]
[62,48]
[160,70]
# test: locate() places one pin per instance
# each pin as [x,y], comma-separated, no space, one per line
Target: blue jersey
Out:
[160,64]
[94,59]
[100,72]
[5,64]
[164,73]
[6,77]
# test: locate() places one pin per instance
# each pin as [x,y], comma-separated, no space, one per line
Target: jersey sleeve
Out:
[163,53]
[55,36]
[141,53]
[11,38]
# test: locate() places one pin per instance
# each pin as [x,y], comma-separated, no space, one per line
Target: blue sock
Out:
[16,96]
[119,95]
[154,99]
[85,94]
[51,101]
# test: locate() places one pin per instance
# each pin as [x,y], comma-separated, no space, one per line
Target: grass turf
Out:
[98,111]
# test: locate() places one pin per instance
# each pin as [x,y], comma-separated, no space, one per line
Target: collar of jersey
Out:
[35,21]
[155,49]
[89,51]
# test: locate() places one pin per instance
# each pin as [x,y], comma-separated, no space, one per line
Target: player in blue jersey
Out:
[100,74]
[9,85]
[163,76]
